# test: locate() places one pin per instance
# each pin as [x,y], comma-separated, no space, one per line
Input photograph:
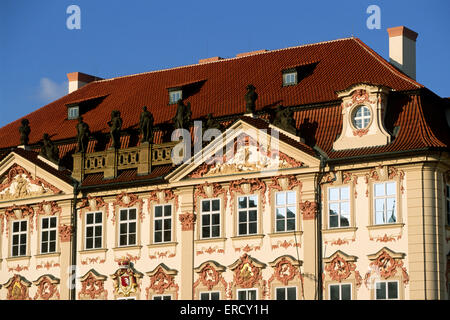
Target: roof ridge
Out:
[224,59]
[386,63]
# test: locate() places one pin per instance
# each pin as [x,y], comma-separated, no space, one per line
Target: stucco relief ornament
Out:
[246,273]
[125,282]
[187,221]
[309,209]
[128,200]
[339,269]
[92,286]
[245,186]
[209,190]
[47,288]
[162,279]
[385,266]
[18,212]
[65,232]
[17,288]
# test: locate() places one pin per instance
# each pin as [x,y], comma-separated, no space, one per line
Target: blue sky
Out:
[117,38]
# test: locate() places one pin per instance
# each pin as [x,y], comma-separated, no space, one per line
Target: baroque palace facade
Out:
[327,177]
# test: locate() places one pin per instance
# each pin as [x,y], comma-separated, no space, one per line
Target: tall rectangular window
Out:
[285,207]
[94,230]
[386,290]
[210,218]
[210,295]
[48,234]
[247,294]
[19,238]
[385,195]
[286,293]
[163,223]
[341,291]
[127,227]
[248,215]
[339,207]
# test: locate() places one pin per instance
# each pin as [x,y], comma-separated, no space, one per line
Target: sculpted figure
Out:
[83,133]
[146,125]
[24,131]
[284,120]
[250,98]
[115,125]
[211,123]
[182,118]
[49,150]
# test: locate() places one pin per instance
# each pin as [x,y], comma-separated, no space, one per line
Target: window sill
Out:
[48,255]
[208,240]
[250,236]
[162,244]
[386,226]
[126,248]
[285,234]
[93,251]
[11,259]
[333,230]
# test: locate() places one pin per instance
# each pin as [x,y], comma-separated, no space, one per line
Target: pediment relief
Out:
[19,183]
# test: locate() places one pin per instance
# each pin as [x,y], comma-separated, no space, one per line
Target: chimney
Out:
[402,49]
[79,79]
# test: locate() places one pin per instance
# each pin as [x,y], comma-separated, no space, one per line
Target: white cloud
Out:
[50,90]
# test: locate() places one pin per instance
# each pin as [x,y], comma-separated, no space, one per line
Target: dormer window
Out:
[361,117]
[290,77]
[73,112]
[175,95]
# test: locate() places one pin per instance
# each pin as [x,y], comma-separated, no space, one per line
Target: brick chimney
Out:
[79,79]
[402,49]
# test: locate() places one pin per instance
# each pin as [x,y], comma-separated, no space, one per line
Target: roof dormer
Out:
[363,111]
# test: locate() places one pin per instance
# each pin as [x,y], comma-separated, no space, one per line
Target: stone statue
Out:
[250,98]
[284,120]
[24,131]
[83,133]
[211,123]
[146,125]
[49,150]
[115,126]
[182,118]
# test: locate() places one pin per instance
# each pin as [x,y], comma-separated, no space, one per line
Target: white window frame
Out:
[248,209]
[290,78]
[285,292]
[175,95]
[19,233]
[49,230]
[246,295]
[162,218]
[363,117]
[285,206]
[208,293]
[387,289]
[128,222]
[73,112]
[340,285]
[210,213]
[340,201]
[385,198]
[162,296]
[93,225]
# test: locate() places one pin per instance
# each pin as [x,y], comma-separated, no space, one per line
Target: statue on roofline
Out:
[284,119]
[115,126]
[250,98]
[146,125]
[83,133]
[182,119]
[49,150]
[24,131]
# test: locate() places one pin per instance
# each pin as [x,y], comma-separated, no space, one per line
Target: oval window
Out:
[361,117]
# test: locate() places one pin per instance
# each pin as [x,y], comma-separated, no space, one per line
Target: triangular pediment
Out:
[245,149]
[21,178]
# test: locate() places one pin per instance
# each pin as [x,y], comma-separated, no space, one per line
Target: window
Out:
[94,225]
[447,197]
[162,297]
[361,117]
[127,227]
[247,294]
[73,112]
[339,207]
[386,290]
[210,295]
[163,223]
[210,218]
[175,95]
[19,238]
[340,291]
[289,78]
[48,234]
[248,211]
[384,198]
[286,293]
[285,208]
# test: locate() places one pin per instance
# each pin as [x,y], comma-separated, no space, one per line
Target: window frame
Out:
[70,116]
[209,295]
[119,222]
[362,118]
[247,209]
[385,197]
[285,292]
[154,218]
[210,213]
[246,290]
[387,289]
[287,74]
[162,296]
[276,206]
[19,234]
[340,285]
[94,225]
[339,202]
[173,92]
[49,229]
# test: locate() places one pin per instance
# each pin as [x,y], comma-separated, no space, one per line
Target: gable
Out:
[244,149]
